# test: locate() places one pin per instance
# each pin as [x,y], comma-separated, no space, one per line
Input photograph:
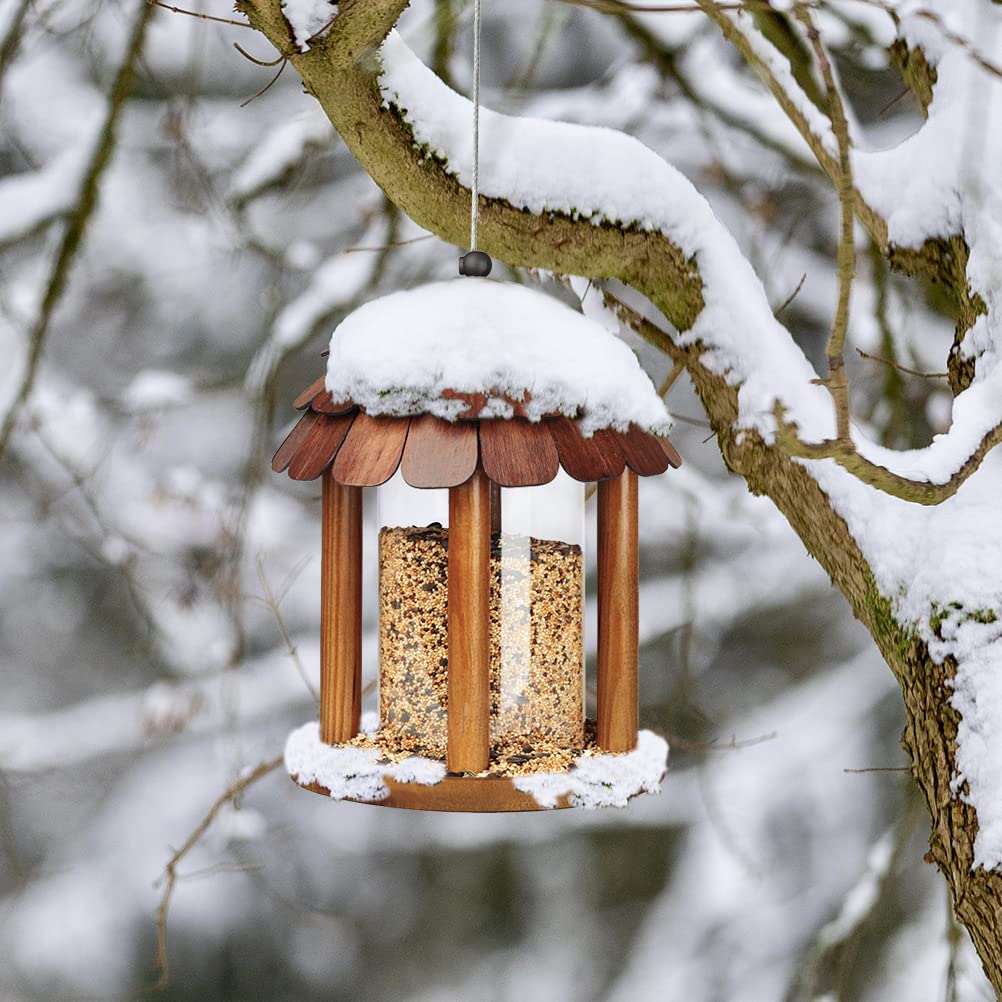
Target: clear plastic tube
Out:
[536,610]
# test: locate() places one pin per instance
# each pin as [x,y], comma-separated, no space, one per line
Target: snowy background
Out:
[159,596]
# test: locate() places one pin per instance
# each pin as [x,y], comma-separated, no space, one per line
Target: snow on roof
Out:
[398,354]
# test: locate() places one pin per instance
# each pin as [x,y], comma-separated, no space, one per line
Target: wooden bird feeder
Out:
[481,583]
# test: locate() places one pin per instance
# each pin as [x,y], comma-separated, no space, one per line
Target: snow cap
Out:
[509,349]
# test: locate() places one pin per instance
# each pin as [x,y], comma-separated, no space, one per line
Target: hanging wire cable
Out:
[476,262]
[475,192]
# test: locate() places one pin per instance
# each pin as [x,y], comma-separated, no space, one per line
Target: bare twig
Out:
[272,601]
[267,87]
[790,298]
[390,246]
[170,875]
[902,368]
[695,422]
[669,381]
[893,101]
[216,869]
[322,31]
[196,13]
[880,768]
[257,62]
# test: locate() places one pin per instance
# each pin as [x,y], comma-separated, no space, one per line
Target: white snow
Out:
[523,160]
[352,773]
[603,780]
[308,18]
[279,151]
[29,201]
[338,280]
[155,389]
[397,354]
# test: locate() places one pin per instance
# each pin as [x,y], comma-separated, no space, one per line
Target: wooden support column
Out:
[618,614]
[469,624]
[340,611]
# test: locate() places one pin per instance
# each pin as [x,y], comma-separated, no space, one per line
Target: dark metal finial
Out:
[476,264]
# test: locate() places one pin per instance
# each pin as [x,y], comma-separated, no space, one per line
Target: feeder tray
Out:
[466,794]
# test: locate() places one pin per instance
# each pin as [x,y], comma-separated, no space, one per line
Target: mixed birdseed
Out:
[509,757]
[536,637]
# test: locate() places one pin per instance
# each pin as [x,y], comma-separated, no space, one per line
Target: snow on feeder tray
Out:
[480,410]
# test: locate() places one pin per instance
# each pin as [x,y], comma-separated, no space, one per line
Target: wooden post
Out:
[340,611]
[618,614]
[469,624]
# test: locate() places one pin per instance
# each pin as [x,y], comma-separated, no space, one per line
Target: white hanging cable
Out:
[475,192]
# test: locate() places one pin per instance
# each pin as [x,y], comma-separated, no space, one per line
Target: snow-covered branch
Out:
[416,143]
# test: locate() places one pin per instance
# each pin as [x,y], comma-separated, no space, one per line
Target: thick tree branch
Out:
[384,145]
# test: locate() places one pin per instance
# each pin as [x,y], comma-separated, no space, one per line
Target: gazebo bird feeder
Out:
[480,410]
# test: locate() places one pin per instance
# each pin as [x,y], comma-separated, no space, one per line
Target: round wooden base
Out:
[468,794]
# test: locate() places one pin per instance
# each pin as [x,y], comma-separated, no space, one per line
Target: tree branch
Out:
[793,105]
[837,381]
[77,223]
[384,145]
[170,874]
[844,453]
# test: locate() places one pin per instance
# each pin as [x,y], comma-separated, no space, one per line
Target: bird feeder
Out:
[477,412]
